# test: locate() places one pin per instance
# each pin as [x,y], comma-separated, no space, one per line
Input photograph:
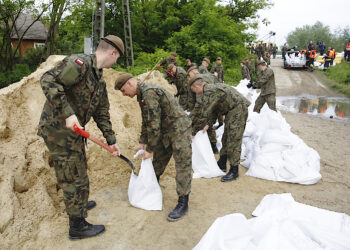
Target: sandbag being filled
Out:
[203,160]
[144,191]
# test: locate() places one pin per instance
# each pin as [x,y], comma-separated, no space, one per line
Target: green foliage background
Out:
[193,28]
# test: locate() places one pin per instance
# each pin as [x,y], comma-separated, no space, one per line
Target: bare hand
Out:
[141,146]
[117,150]
[216,74]
[71,121]
[205,129]
[146,155]
[192,137]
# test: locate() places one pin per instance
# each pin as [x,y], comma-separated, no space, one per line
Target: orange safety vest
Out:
[331,53]
[303,51]
[312,54]
[348,47]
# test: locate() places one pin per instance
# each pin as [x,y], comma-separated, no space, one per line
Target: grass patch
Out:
[340,76]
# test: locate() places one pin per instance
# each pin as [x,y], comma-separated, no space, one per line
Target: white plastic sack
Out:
[203,160]
[281,223]
[144,191]
[271,151]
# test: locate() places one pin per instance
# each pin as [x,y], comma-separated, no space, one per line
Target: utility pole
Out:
[129,51]
[99,24]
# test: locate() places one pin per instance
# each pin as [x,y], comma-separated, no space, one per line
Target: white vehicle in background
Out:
[295,59]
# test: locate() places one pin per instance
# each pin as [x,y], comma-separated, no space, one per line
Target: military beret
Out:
[116,42]
[173,54]
[194,78]
[170,67]
[121,80]
[262,62]
[191,68]
[206,60]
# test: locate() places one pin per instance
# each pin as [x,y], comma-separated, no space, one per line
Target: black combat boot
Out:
[79,228]
[222,162]
[91,205]
[214,148]
[158,177]
[231,175]
[180,209]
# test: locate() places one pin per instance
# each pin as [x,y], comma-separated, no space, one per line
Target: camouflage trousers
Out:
[181,149]
[235,121]
[71,173]
[212,135]
[261,100]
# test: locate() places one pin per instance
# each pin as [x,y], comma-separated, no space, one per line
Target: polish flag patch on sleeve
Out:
[80,62]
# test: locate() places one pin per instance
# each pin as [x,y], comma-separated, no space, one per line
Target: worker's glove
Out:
[177,94]
[218,126]
[249,85]
[254,87]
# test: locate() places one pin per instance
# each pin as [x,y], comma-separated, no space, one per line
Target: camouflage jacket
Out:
[267,59]
[203,70]
[245,72]
[162,117]
[266,82]
[217,99]
[220,70]
[165,62]
[74,86]
[181,80]
[251,67]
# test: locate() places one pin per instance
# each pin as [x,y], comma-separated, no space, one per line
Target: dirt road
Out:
[132,228]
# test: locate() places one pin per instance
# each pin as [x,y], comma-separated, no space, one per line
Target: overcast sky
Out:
[286,15]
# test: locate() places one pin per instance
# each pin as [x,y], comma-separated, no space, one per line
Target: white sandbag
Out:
[144,191]
[281,223]
[271,151]
[203,160]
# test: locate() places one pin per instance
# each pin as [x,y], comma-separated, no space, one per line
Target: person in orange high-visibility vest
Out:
[333,55]
[311,54]
[347,52]
[328,58]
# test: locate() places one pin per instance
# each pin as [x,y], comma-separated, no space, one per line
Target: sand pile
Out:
[29,198]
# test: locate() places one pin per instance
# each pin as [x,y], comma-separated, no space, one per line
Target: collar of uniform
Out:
[139,92]
[94,65]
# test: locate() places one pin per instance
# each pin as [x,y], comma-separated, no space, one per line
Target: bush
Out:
[340,74]
[19,71]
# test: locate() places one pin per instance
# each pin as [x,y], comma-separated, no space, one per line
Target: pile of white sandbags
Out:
[271,151]
[280,223]
[292,59]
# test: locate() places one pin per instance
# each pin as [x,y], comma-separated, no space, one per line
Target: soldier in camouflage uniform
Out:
[181,82]
[210,79]
[222,99]
[75,91]
[251,67]
[218,69]
[266,58]
[203,69]
[189,64]
[266,82]
[170,60]
[245,71]
[166,132]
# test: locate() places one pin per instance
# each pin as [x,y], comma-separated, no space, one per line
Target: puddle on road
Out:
[336,108]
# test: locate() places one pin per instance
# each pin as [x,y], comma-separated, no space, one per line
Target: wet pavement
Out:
[335,108]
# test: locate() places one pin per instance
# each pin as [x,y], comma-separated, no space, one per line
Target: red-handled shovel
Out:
[100,143]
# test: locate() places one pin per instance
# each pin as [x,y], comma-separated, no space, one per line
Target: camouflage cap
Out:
[191,68]
[121,80]
[116,42]
[195,78]
[173,54]
[219,58]
[170,67]
[206,60]
[261,62]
